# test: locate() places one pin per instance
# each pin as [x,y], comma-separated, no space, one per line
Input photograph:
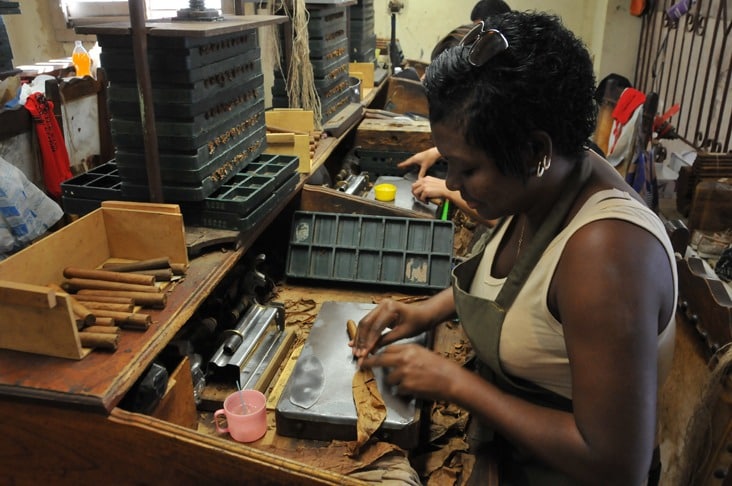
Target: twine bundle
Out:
[301,83]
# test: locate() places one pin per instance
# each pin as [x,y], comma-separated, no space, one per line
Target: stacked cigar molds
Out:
[208,102]
[361,36]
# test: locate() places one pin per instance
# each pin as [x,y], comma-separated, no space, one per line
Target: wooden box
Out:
[38,320]
[395,135]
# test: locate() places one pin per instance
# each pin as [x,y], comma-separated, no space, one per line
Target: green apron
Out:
[482,321]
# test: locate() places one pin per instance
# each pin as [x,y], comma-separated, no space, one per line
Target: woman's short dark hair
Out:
[485,8]
[543,81]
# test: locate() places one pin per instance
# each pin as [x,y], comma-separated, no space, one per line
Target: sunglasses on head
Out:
[484,44]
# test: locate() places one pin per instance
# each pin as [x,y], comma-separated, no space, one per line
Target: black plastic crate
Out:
[279,167]
[100,183]
[405,252]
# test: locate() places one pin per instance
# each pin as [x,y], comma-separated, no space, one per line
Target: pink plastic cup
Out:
[246,416]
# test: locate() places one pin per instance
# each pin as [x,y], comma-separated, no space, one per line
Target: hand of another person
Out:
[416,370]
[428,187]
[424,159]
[404,320]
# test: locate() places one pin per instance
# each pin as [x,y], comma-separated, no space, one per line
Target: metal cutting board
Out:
[333,415]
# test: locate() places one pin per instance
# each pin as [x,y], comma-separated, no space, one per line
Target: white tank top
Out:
[532,343]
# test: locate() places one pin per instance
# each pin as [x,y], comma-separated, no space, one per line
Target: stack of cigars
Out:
[105,300]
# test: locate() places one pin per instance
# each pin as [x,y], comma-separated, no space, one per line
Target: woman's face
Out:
[480,182]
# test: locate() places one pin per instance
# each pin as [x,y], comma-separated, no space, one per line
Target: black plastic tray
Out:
[233,99]
[404,252]
[279,167]
[100,183]
[194,93]
[120,68]
[180,136]
[186,52]
[173,174]
[197,192]
[239,221]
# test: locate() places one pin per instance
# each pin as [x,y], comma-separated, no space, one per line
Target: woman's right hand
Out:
[403,320]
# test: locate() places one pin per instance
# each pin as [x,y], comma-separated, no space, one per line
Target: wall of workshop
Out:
[606,26]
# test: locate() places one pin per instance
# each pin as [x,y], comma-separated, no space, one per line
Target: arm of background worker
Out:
[428,187]
[424,160]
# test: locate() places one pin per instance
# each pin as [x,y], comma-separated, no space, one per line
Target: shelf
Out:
[168,28]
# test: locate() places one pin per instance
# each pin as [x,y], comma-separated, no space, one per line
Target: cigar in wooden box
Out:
[123,277]
[85,283]
[98,340]
[94,306]
[128,320]
[84,316]
[151,264]
[99,299]
[104,321]
[160,275]
[179,268]
[144,299]
[103,329]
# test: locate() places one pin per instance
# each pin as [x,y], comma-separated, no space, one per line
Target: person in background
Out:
[569,305]
[428,187]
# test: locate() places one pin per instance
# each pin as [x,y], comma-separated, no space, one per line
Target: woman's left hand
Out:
[416,370]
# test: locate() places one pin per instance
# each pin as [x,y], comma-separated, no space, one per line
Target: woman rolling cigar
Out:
[570,304]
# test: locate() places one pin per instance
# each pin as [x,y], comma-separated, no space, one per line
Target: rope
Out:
[301,83]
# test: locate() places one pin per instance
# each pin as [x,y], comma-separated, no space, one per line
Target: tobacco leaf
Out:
[370,408]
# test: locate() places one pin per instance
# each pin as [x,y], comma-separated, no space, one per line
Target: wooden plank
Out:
[139,235]
[295,119]
[177,405]
[20,294]
[363,71]
[39,330]
[291,144]
[143,206]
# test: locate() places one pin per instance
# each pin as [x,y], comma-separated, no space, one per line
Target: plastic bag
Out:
[25,211]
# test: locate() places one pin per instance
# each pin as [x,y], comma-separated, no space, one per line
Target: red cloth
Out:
[630,99]
[56,167]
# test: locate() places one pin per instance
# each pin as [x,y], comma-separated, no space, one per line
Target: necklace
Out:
[521,239]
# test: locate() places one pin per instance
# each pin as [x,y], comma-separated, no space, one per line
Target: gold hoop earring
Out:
[543,166]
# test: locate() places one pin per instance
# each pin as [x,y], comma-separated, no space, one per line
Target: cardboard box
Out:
[38,320]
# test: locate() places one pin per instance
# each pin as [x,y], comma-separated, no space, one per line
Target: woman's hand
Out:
[424,160]
[404,320]
[417,371]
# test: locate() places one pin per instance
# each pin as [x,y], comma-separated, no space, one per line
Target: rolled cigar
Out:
[161,275]
[128,320]
[179,268]
[98,340]
[104,321]
[102,298]
[85,283]
[103,329]
[84,316]
[110,306]
[153,263]
[131,278]
[144,299]
[351,328]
